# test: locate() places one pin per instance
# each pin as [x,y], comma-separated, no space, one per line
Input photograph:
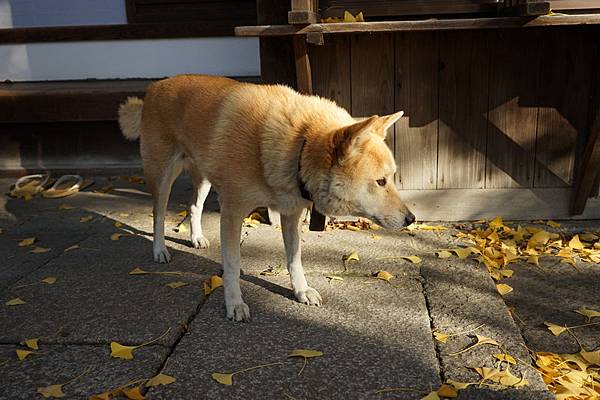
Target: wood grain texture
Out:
[416,94]
[303,73]
[330,66]
[372,76]
[566,70]
[463,99]
[512,115]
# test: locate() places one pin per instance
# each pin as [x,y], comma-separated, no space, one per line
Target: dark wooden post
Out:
[525,7]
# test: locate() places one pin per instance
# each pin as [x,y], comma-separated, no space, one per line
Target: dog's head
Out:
[361,179]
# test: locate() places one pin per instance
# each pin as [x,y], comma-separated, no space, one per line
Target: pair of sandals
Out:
[32,185]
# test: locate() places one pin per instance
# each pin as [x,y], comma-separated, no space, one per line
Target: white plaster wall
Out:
[129,59]
[112,59]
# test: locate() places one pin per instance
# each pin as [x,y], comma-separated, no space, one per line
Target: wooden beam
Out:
[303,73]
[423,25]
[303,12]
[589,169]
[525,8]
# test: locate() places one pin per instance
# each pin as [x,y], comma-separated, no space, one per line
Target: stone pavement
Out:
[374,335]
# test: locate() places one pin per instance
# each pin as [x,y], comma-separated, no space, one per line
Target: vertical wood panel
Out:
[566,72]
[463,99]
[513,111]
[331,70]
[372,74]
[417,94]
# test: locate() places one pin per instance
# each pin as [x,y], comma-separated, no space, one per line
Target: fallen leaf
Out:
[447,391]
[351,257]
[176,284]
[376,237]
[443,254]
[305,353]
[575,243]
[223,379]
[118,225]
[413,259]
[138,271]
[553,224]
[502,377]
[27,242]
[588,313]
[181,228]
[503,288]
[334,278]
[535,260]
[116,236]
[31,343]
[496,223]
[118,350]
[441,337]
[505,357]
[22,354]
[555,329]
[49,280]
[65,207]
[589,237]
[51,391]
[593,357]
[133,394]
[431,396]
[538,239]
[384,275]
[480,340]
[160,379]
[15,302]
[86,219]
[183,213]
[74,247]
[40,250]
[211,284]
[458,385]
[462,253]
[101,396]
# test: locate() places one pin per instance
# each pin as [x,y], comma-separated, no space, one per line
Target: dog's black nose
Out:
[410,218]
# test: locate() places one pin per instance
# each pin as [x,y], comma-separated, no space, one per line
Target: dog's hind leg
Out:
[231,229]
[160,180]
[201,189]
[290,227]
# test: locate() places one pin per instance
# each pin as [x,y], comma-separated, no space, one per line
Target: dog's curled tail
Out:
[130,117]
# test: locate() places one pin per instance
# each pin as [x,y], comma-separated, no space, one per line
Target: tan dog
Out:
[261,145]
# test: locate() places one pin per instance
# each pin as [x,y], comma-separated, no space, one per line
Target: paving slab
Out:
[58,364]
[373,336]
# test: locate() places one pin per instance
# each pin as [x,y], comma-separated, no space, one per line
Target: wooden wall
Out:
[498,109]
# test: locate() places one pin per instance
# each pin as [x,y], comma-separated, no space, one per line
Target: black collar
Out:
[301,184]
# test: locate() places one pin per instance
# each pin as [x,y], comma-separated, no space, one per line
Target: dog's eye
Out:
[381,182]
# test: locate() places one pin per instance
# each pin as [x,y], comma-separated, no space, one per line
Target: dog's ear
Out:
[383,123]
[345,139]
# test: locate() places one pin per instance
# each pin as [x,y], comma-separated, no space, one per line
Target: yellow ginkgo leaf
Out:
[413,259]
[211,284]
[22,354]
[447,391]
[441,336]
[458,385]
[65,207]
[569,261]
[443,254]
[181,228]
[431,396]
[462,253]
[553,224]
[351,257]
[376,237]
[496,223]
[49,280]
[588,313]
[118,224]
[31,343]
[305,353]
[101,396]
[223,379]
[360,17]
[503,288]
[534,259]
[74,247]
[183,213]
[176,284]
[505,357]
[349,17]
[593,357]
[160,379]
[85,219]
[384,275]
[481,340]
[115,236]
[575,243]
[555,329]
[133,393]
[334,278]
[39,250]
[27,242]
[538,239]
[138,271]
[118,350]
[15,302]
[52,391]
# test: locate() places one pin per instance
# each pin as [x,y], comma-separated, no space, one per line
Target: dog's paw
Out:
[200,242]
[162,256]
[238,312]
[309,296]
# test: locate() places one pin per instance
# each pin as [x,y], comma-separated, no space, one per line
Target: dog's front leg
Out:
[290,225]
[231,228]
